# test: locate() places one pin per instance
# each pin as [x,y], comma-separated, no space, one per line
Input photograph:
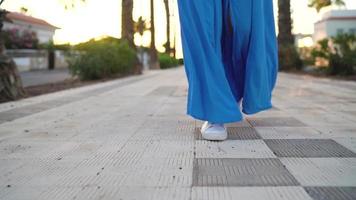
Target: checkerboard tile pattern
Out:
[107,141]
[297,167]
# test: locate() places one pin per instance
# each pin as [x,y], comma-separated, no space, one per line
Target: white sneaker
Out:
[213,131]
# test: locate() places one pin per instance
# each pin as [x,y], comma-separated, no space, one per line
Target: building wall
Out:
[334,22]
[342,26]
[32,59]
[320,31]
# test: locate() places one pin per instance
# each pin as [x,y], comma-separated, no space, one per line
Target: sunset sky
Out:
[96,18]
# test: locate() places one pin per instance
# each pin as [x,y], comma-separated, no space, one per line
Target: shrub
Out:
[305,56]
[100,59]
[339,51]
[16,39]
[181,61]
[166,61]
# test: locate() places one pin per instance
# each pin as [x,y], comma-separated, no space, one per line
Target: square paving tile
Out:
[331,193]
[232,149]
[338,172]
[347,142]
[241,172]
[243,123]
[308,148]
[235,133]
[275,121]
[250,193]
[289,133]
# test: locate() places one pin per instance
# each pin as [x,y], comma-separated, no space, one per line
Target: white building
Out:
[334,22]
[44,30]
[33,59]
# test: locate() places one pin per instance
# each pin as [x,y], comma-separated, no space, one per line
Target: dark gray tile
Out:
[163,90]
[351,113]
[235,133]
[275,121]
[331,193]
[241,172]
[308,148]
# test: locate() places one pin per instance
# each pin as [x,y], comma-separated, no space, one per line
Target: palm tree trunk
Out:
[287,51]
[10,81]
[168,44]
[153,52]
[127,28]
[285,36]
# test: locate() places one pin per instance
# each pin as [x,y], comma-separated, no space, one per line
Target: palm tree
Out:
[69,4]
[140,26]
[154,64]
[127,26]
[168,43]
[319,4]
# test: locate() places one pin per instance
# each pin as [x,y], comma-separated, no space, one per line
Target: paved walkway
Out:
[130,139]
[43,76]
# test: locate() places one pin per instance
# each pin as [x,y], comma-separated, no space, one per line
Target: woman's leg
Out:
[249,49]
[209,94]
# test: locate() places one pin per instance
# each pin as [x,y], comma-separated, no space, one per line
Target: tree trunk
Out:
[285,36]
[168,27]
[174,51]
[127,28]
[287,51]
[154,64]
[10,80]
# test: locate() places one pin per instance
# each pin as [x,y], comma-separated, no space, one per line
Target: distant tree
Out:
[70,4]
[319,4]
[24,10]
[141,26]
[168,43]
[154,64]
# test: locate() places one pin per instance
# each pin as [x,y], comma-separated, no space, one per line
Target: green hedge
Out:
[167,61]
[100,59]
[340,52]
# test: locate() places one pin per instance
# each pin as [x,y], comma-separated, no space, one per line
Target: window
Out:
[352,31]
[339,31]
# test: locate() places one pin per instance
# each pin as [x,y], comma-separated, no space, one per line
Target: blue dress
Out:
[230,55]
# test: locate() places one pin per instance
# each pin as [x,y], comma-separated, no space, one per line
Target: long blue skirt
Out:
[230,57]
